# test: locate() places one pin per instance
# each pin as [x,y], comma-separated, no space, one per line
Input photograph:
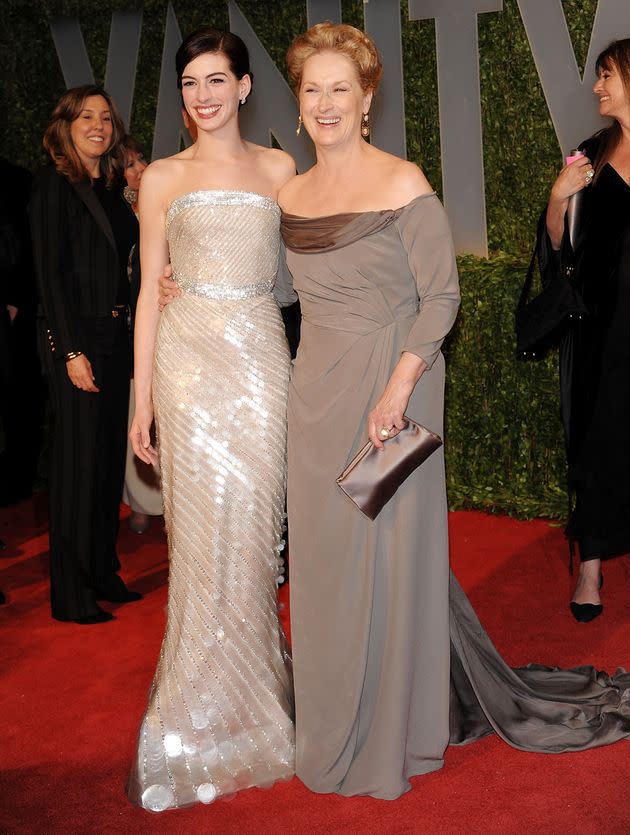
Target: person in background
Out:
[142,483]
[83,231]
[596,355]
[22,389]
[15,388]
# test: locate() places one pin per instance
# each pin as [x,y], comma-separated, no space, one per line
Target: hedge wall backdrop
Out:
[504,447]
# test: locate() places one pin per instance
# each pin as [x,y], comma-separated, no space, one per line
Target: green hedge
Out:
[504,445]
[505,449]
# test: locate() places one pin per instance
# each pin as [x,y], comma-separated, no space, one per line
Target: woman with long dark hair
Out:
[83,232]
[215,373]
[596,354]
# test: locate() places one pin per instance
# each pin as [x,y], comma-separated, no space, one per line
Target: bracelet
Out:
[72,355]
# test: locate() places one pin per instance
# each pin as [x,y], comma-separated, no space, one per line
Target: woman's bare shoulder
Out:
[277,164]
[405,180]
[290,196]
[160,179]
[163,169]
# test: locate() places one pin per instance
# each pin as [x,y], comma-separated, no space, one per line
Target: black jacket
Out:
[592,265]
[76,260]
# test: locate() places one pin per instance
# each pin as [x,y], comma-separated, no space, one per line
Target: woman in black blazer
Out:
[83,231]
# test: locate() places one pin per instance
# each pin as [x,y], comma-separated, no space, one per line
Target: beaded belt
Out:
[221,292]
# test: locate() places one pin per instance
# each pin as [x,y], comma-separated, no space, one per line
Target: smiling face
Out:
[612,94]
[211,92]
[332,102]
[91,131]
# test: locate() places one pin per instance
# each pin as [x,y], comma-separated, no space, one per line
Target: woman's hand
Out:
[387,418]
[140,436]
[388,414]
[168,289]
[80,373]
[573,178]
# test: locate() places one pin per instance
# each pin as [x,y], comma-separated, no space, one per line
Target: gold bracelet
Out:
[72,355]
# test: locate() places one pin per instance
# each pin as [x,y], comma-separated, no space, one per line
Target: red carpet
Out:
[72,698]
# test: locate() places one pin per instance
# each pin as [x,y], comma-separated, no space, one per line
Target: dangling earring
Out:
[243,100]
[299,125]
[365,126]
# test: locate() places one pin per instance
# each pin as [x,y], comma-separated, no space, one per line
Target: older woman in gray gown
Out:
[376,670]
[370,252]
[390,662]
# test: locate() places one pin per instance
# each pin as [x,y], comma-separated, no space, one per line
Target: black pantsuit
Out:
[78,270]
[87,470]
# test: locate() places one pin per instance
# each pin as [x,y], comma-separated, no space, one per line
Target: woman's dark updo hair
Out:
[209,39]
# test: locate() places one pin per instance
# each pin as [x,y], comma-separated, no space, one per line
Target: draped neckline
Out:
[326,233]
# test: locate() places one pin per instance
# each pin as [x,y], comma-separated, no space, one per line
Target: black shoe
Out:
[117,592]
[586,612]
[100,617]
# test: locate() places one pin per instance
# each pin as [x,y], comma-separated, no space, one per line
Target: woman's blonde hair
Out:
[58,138]
[341,38]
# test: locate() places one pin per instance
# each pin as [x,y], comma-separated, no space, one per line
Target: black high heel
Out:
[586,612]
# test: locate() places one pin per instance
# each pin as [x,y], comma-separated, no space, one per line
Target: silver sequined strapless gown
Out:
[219,716]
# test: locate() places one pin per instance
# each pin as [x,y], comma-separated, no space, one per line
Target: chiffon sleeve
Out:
[426,236]
[283,290]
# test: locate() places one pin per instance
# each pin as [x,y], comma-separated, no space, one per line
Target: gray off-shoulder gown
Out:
[383,681]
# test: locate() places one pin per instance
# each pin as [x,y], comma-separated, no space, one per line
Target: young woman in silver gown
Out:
[219,716]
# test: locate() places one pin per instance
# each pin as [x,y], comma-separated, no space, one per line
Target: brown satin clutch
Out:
[373,476]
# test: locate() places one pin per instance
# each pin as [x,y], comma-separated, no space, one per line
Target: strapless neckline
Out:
[223,197]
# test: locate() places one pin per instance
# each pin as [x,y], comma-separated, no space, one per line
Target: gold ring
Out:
[384,433]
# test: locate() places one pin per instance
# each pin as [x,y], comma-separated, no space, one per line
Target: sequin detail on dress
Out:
[219,716]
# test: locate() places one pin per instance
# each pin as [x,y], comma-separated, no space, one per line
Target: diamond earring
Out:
[365,127]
